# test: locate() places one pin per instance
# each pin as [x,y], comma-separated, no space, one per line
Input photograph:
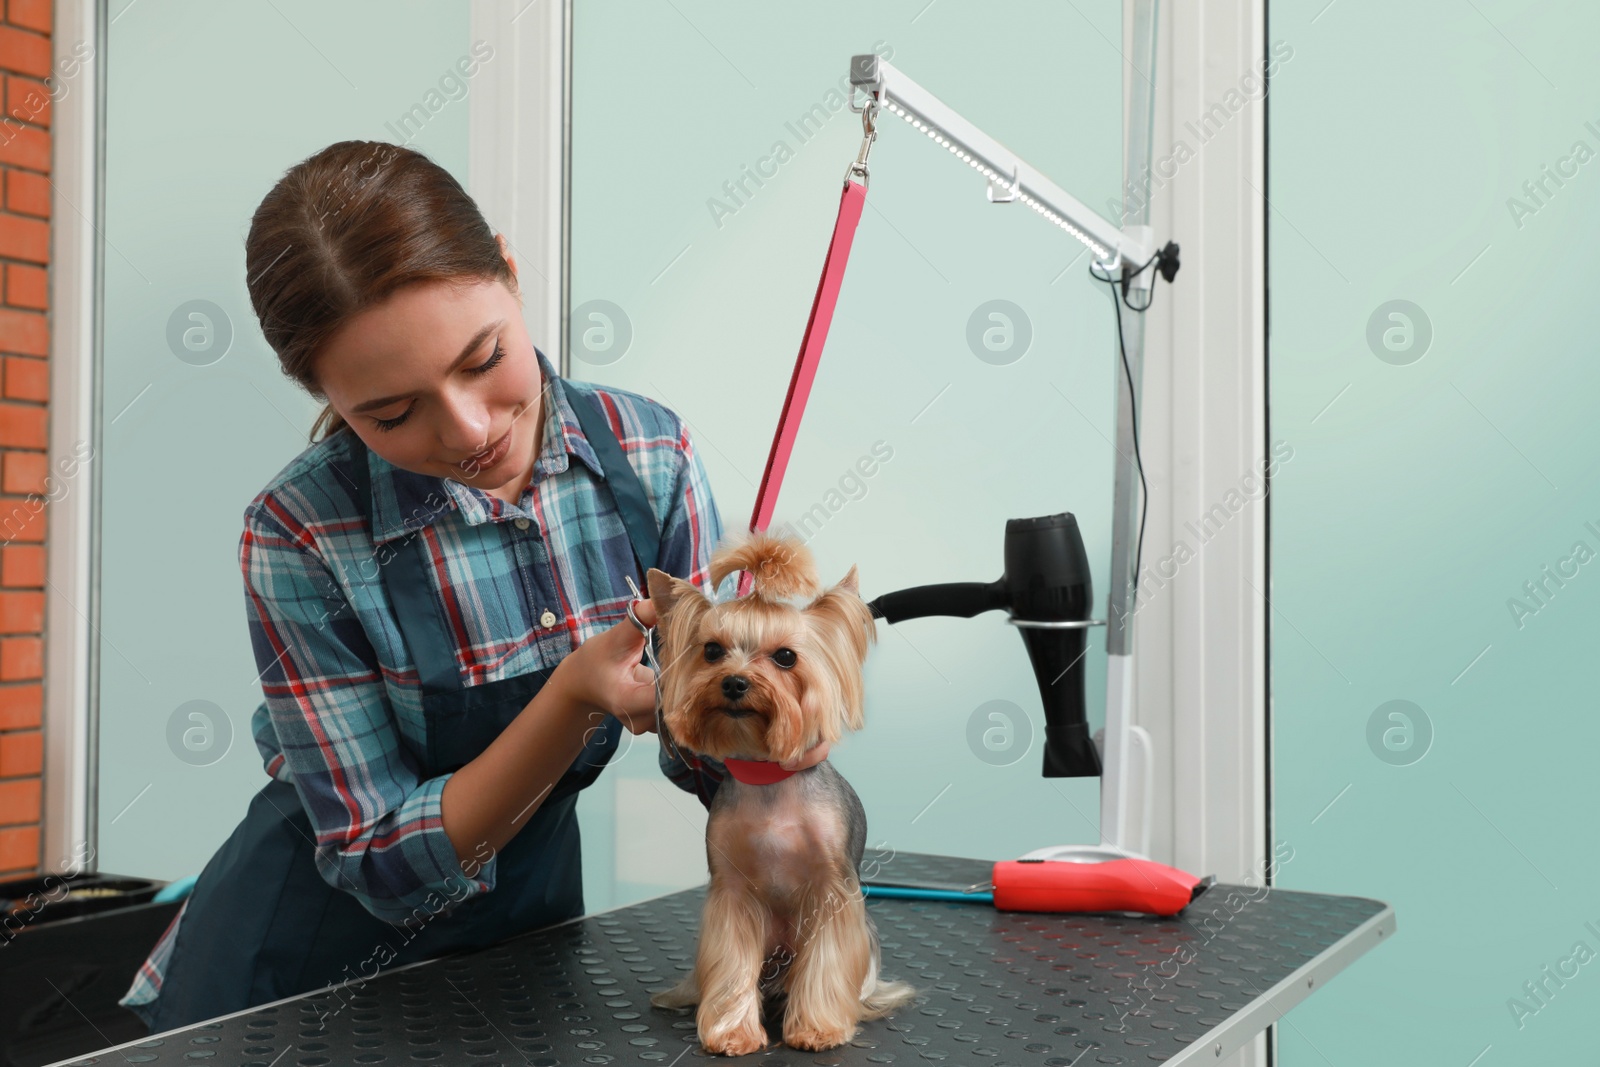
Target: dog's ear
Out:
[845,626]
[841,611]
[658,587]
[679,606]
[850,582]
[666,592]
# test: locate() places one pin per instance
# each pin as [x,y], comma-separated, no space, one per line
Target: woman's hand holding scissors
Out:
[604,674]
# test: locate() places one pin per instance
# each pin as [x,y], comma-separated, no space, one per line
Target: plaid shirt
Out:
[523,586]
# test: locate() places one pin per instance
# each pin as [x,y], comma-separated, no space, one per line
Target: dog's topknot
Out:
[782,567]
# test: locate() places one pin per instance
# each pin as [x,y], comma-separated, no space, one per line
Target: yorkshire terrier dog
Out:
[755,681]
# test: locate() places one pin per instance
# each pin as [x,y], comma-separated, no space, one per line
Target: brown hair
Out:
[345,228]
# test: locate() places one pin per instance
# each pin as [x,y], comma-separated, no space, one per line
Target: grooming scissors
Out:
[655,666]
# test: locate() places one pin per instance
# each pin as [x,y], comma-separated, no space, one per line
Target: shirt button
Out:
[548,619]
[522,524]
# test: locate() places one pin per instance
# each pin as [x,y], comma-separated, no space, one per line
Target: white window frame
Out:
[518,157]
[71,603]
[1201,652]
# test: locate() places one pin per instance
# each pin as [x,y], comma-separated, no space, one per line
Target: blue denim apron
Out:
[262,924]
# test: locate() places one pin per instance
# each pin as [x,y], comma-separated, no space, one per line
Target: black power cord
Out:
[1166,263]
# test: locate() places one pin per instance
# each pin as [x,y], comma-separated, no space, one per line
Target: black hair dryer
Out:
[1046,592]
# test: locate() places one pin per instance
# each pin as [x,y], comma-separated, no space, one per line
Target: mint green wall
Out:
[207,105]
[673,100]
[1426,488]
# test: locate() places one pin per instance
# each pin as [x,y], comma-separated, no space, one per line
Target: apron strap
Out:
[420,618]
[421,615]
[621,478]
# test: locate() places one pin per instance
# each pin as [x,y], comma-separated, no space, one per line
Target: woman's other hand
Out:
[603,674]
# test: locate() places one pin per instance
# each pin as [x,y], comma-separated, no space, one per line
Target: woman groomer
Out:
[436,593]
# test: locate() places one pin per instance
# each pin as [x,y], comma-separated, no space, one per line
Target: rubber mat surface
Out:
[997,988]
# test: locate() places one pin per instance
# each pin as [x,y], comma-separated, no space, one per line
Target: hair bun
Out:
[781,566]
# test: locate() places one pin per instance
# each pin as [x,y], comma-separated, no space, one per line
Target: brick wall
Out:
[25,61]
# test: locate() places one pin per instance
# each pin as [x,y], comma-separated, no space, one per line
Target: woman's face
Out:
[441,380]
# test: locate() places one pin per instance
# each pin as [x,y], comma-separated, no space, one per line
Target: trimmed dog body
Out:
[760,678]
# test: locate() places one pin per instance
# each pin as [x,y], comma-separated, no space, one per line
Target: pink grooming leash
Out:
[851,201]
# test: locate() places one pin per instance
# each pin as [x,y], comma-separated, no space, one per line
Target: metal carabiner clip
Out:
[869,133]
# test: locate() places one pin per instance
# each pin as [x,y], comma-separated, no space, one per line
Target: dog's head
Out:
[768,675]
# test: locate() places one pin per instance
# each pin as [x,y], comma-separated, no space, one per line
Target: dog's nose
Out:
[735,686]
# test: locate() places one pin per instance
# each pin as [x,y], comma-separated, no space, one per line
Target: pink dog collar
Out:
[756,771]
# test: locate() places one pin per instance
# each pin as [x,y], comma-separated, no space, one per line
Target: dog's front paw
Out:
[816,1039]
[738,1041]
[732,1027]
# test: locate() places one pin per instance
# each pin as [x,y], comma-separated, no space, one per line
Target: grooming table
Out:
[997,988]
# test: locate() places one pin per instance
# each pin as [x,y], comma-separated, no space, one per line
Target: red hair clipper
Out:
[1112,885]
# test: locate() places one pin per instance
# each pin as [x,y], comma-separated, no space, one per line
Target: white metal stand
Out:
[1119,252]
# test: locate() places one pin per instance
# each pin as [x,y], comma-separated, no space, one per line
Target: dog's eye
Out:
[784,657]
[714,651]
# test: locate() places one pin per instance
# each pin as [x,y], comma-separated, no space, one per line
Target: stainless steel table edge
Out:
[1240,1028]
